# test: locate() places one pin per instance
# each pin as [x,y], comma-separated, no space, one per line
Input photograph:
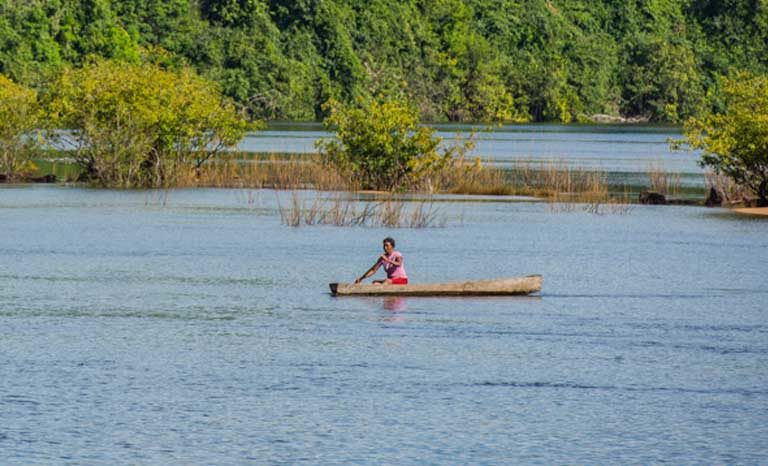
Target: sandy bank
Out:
[753,210]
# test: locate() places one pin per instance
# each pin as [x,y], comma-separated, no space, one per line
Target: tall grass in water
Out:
[596,200]
[555,181]
[463,177]
[571,189]
[567,188]
[343,211]
[235,171]
[662,181]
[558,180]
[613,205]
[545,179]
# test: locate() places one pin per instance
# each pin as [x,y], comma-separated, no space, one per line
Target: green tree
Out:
[28,46]
[19,119]
[136,125]
[662,79]
[458,60]
[734,141]
[381,144]
[467,69]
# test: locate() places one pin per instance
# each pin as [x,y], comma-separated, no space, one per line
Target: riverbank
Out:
[761,211]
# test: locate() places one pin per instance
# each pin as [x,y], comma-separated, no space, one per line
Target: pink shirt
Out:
[394,271]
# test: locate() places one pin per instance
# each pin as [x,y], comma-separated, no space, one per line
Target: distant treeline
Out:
[458,60]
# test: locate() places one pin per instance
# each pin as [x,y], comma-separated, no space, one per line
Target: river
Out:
[625,153]
[192,327]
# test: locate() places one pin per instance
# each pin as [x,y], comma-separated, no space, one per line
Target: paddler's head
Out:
[389,245]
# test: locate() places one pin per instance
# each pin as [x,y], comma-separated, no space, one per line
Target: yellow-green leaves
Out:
[19,118]
[135,125]
[735,141]
[381,144]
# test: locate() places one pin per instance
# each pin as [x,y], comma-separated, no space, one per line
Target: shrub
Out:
[381,144]
[19,118]
[135,125]
[734,141]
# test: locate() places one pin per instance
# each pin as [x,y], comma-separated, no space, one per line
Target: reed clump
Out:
[275,172]
[662,181]
[559,180]
[468,177]
[545,179]
[343,211]
[595,200]
[568,189]
[554,181]
[610,205]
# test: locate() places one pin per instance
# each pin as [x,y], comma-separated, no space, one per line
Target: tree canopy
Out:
[458,60]
[20,116]
[138,125]
[734,140]
[381,145]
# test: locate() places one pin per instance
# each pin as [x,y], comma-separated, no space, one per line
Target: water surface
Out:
[191,327]
[625,152]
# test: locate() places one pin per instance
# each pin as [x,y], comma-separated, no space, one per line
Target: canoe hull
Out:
[499,287]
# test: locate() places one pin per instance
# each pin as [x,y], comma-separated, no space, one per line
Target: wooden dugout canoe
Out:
[499,287]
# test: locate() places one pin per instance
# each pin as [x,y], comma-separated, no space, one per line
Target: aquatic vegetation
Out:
[662,181]
[139,125]
[598,202]
[553,181]
[380,143]
[734,139]
[463,177]
[557,179]
[272,171]
[20,116]
[549,180]
[344,211]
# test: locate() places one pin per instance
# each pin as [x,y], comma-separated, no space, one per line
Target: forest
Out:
[456,60]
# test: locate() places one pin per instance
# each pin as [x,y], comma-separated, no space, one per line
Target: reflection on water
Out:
[394,308]
[395,303]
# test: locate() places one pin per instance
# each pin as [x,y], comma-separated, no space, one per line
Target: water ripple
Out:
[577,386]
[18,399]
[141,279]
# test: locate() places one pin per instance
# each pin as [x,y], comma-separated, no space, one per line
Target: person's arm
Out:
[398,261]
[369,272]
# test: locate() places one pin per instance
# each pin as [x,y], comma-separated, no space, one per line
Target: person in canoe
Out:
[393,264]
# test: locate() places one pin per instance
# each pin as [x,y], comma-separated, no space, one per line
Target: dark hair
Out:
[389,240]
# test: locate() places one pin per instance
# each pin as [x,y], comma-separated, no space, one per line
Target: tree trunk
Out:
[762,194]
